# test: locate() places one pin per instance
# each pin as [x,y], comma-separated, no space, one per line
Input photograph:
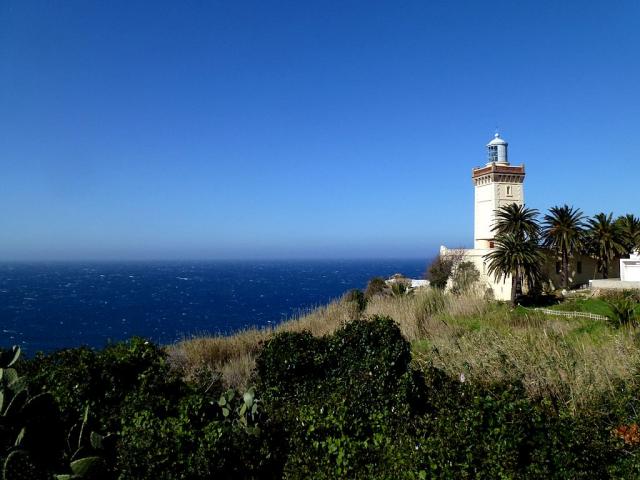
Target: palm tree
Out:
[629,226]
[518,258]
[605,241]
[517,220]
[564,232]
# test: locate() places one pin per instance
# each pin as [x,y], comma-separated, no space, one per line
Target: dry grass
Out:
[551,360]
[232,357]
[425,312]
[570,361]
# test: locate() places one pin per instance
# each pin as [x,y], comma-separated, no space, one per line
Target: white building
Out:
[496,184]
[630,268]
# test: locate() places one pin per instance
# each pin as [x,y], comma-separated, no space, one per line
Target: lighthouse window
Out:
[493,153]
[509,191]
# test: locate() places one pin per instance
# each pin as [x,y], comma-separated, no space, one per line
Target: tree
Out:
[356,296]
[464,276]
[520,259]
[564,232]
[376,286]
[604,241]
[629,226]
[516,227]
[517,220]
[439,271]
[399,289]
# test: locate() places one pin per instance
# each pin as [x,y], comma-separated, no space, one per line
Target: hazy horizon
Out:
[144,258]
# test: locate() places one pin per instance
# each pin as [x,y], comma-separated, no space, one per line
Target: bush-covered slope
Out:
[351,404]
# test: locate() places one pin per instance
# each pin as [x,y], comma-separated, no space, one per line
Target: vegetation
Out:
[605,241]
[376,286]
[464,277]
[517,220]
[439,271]
[564,233]
[454,386]
[516,258]
[595,305]
[629,230]
[376,398]
[358,297]
[624,307]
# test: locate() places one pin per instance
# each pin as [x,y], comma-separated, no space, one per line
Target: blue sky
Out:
[138,130]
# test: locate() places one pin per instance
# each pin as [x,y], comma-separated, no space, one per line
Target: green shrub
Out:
[356,296]
[289,361]
[348,405]
[31,434]
[158,437]
[356,409]
[376,286]
[439,272]
[373,348]
[497,431]
[365,354]
[399,288]
[102,379]
[484,435]
[464,276]
[342,400]
[623,306]
[192,439]
[103,382]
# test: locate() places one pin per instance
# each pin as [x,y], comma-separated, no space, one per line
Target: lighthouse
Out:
[497,183]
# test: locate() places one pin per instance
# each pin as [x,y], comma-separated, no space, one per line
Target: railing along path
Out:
[561,313]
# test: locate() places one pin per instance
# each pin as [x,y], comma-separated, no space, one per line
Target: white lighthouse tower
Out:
[496,184]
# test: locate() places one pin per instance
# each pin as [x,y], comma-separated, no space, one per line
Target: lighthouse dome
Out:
[497,140]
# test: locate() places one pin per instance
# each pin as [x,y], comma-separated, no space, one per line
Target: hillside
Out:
[572,361]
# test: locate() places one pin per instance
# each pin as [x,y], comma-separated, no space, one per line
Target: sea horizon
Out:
[209,260]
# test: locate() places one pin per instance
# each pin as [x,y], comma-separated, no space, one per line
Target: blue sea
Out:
[48,306]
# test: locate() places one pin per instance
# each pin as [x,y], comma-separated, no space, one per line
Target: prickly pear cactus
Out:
[28,425]
[9,357]
[87,450]
[11,385]
[90,467]
[19,466]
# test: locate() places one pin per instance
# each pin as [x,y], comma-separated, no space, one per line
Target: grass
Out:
[589,305]
[570,361]
[557,359]
[231,359]
[595,305]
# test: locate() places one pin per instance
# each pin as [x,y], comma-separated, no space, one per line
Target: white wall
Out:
[485,204]
[488,198]
[630,270]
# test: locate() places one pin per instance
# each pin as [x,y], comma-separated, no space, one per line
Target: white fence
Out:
[561,313]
